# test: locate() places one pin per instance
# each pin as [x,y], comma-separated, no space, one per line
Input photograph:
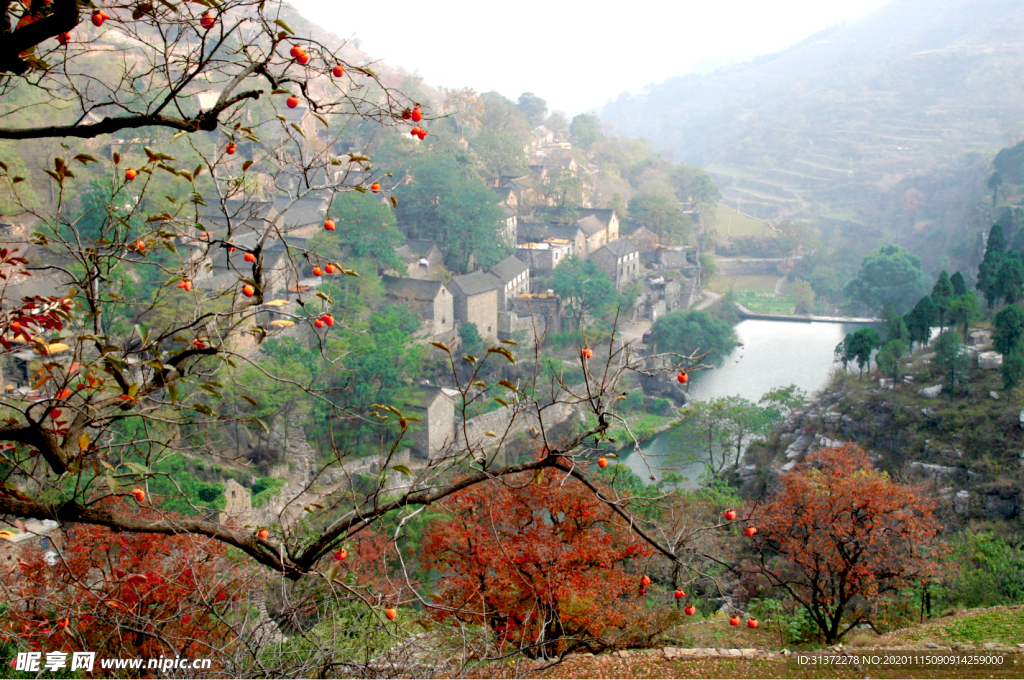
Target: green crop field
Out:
[762,302]
[762,283]
[731,223]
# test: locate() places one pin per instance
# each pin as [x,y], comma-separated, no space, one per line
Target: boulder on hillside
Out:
[934,391]
[990,361]
[962,502]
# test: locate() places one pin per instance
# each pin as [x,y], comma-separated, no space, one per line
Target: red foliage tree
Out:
[538,560]
[841,538]
[123,594]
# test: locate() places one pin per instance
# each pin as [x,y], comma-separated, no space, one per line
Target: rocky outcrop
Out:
[990,361]
[876,419]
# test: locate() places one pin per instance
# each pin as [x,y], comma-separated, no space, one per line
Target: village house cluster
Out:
[508,300]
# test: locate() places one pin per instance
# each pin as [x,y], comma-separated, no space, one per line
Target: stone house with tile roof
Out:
[620,259]
[431,300]
[511,277]
[476,302]
[423,259]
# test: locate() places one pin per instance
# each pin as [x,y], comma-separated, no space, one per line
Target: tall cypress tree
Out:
[959,284]
[920,320]
[1010,279]
[988,272]
[942,296]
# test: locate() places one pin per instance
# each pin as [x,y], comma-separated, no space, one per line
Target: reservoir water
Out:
[771,354]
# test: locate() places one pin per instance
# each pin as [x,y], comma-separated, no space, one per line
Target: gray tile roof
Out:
[591,225]
[404,288]
[509,268]
[300,213]
[473,283]
[603,214]
[240,213]
[535,232]
[503,192]
[619,247]
[414,249]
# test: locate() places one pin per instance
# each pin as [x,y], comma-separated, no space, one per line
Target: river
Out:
[771,354]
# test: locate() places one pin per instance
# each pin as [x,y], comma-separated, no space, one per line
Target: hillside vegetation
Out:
[839,127]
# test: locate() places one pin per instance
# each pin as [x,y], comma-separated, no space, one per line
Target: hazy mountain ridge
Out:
[828,126]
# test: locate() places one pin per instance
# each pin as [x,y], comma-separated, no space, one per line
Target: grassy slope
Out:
[732,223]
[1001,625]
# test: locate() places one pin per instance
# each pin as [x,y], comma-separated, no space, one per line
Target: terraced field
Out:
[833,125]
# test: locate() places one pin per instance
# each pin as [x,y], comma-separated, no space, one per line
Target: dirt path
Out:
[710,298]
[634,332]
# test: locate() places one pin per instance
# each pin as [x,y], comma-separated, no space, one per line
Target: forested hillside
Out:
[840,127]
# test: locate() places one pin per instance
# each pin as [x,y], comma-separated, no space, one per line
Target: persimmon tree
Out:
[539,561]
[842,539]
[122,594]
[141,65]
[176,251]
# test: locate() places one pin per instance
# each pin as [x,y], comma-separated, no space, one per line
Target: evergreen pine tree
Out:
[942,296]
[988,271]
[959,284]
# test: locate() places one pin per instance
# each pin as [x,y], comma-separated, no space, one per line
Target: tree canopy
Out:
[522,559]
[447,202]
[585,287]
[660,212]
[586,130]
[834,500]
[1009,329]
[887,274]
[367,227]
[988,271]
[686,333]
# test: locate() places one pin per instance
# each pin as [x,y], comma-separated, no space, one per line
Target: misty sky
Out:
[574,54]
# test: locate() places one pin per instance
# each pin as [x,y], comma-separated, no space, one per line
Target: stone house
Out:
[511,277]
[37,534]
[544,256]
[677,257]
[236,216]
[431,300]
[423,260]
[544,232]
[607,216]
[436,429]
[542,136]
[540,166]
[599,226]
[303,217]
[646,241]
[242,224]
[303,117]
[507,195]
[511,230]
[476,302]
[221,268]
[540,313]
[620,259]
[594,233]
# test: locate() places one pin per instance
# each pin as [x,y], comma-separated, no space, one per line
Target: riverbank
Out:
[745,313]
[643,427]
